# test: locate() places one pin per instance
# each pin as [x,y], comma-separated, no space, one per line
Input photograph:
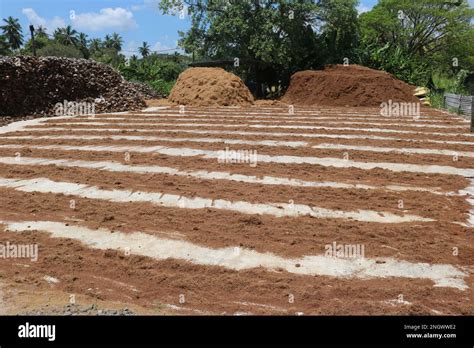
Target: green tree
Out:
[66,36]
[95,45]
[83,40]
[108,56]
[340,30]
[83,45]
[40,42]
[13,32]
[4,46]
[41,32]
[108,42]
[410,38]
[144,50]
[271,39]
[116,42]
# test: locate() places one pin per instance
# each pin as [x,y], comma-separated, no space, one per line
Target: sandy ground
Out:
[400,187]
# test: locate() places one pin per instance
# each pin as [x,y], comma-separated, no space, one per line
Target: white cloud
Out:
[158,46]
[107,18]
[163,48]
[49,24]
[131,48]
[362,8]
[135,8]
[146,4]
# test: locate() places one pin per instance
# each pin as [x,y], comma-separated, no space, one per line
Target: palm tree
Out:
[83,40]
[66,36]
[41,32]
[83,45]
[95,45]
[108,43]
[13,32]
[144,49]
[4,46]
[116,41]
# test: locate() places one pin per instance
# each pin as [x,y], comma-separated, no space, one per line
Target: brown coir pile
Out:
[352,85]
[210,87]
[33,85]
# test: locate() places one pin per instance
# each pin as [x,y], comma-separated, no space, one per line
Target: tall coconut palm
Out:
[95,45]
[83,43]
[13,32]
[144,49]
[108,42]
[116,41]
[66,36]
[83,40]
[41,32]
[4,46]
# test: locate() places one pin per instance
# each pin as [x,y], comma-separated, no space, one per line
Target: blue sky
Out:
[135,20]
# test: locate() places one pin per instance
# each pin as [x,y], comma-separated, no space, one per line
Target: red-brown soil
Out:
[352,85]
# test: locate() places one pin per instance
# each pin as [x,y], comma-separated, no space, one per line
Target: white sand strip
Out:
[113,166]
[297,113]
[273,121]
[450,153]
[237,258]
[469,192]
[155,108]
[88,123]
[44,185]
[21,125]
[243,133]
[210,154]
[374,112]
[408,124]
[225,125]
[287,116]
[372,130]
[269,119]
[202,116]
[152,138]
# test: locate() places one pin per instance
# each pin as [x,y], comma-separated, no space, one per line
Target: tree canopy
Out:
[408,37]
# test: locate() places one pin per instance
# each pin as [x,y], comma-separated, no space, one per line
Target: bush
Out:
[151,69]
[162,87]
[403,65]
[109,56]
[169,71]
[157,72]
[58,50]
[445,83]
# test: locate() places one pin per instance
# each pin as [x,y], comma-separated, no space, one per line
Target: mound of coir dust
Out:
[35,85]
[210,87]
[352,85]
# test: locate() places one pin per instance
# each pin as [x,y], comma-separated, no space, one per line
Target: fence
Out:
[463,104]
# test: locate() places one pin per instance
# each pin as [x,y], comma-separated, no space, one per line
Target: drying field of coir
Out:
[139,210]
